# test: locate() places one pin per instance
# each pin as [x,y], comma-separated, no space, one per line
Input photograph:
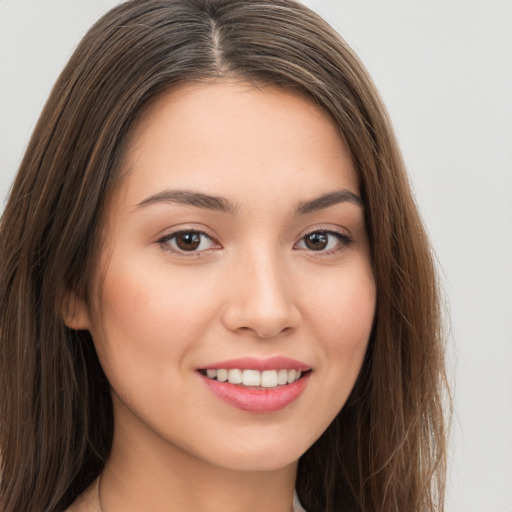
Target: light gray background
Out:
[444,69]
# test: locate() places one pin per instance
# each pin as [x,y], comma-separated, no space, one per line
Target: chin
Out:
[260,462]
[267,456]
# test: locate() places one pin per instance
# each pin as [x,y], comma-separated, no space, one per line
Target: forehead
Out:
[209,135]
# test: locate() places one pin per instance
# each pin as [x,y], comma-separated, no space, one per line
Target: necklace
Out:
[98,497]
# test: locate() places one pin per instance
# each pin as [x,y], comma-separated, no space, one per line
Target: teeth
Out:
[282,377]
[222,375]
[269,379]
[235,376]
[255,378]
[251,378]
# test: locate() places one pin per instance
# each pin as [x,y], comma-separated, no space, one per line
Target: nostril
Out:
[249,314]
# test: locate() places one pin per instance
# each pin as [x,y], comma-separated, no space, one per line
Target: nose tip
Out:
[264,324]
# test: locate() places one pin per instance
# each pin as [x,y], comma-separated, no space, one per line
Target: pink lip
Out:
[257,400]
[253,363]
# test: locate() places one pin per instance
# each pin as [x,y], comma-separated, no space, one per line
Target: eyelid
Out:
[163,241]
[345,240]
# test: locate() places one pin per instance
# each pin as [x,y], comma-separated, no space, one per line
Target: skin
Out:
[253,288]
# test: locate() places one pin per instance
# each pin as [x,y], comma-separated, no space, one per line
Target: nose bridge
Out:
[262,300]
[265,274]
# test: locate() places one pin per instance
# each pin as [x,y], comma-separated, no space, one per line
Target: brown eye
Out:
[187,242]
[316,241]
[324,242]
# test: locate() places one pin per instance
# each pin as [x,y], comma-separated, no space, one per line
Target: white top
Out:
[297,507]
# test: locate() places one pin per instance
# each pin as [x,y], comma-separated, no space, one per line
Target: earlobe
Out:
[75,312]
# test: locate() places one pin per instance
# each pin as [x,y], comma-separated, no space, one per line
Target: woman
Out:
[215,286]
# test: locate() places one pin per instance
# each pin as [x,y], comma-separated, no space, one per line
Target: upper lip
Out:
[255,363]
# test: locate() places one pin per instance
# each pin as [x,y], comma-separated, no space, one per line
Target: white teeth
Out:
[251,378]
[269,379]
[282,377]
[255,378]
[235,376]
[222,375]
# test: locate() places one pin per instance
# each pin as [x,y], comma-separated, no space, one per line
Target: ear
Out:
[75,312]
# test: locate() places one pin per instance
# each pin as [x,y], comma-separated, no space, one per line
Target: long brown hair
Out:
[386,449]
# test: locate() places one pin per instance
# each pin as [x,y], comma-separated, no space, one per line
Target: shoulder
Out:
[87,501]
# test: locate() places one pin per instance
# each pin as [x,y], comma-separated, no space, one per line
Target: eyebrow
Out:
[191,198]
[221,204]
[329,199]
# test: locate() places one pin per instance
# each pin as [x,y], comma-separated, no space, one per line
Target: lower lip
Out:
[258,400]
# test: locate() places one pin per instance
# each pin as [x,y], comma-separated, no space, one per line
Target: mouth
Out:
[255,385]
[254,379]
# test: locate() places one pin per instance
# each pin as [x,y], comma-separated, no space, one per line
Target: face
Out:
[235,249]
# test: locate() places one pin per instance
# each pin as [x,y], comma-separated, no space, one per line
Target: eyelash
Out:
[344,241]
[165,242]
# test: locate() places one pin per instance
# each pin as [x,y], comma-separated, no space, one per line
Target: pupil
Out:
[188,241]
[316,241]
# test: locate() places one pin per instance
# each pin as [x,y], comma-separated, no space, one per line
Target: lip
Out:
[261,364]
[257,400]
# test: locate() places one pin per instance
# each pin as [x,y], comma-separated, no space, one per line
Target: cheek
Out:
[343,314]
[148,314]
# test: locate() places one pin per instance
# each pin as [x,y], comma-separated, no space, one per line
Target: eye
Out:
[324,241]
[191,241]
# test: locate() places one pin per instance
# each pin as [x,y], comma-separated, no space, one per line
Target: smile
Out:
[257,385]
[266,379]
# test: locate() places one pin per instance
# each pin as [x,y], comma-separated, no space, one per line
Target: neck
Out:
[153,474]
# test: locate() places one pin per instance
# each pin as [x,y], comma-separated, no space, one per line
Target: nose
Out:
[261,299]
